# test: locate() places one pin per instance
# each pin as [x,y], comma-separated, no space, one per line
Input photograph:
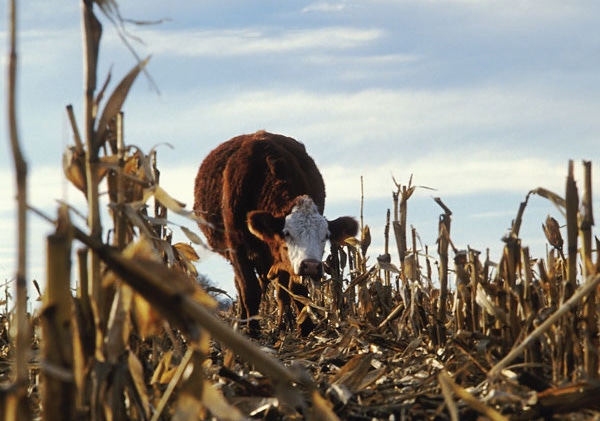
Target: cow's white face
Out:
[305,233]
[297,241]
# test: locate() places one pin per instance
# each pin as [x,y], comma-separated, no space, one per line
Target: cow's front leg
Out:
[249,290]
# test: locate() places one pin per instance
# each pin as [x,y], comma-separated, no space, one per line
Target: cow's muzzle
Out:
[311,267]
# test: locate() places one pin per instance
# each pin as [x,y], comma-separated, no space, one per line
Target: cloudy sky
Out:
[480,100]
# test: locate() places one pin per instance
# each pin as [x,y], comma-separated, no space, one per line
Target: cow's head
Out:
[297,241]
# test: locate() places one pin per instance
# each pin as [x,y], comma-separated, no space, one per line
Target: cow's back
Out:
[260,171]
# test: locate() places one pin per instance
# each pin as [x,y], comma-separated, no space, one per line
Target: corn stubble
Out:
[445,335]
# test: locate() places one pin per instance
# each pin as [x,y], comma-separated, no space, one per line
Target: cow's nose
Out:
[311,267]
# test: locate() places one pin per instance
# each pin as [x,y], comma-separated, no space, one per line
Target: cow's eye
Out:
[327,236]
[286,234]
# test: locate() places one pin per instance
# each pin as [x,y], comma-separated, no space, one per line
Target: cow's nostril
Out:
[311,267]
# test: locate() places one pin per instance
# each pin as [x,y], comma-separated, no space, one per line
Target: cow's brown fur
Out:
[264,172]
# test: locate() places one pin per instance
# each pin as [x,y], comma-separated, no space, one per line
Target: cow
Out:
[259,199]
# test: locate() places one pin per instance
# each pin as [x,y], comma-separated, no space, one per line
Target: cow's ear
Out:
[264,225]
[342,228]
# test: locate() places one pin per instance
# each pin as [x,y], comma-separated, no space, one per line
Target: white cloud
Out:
[351,68]
[498,12]
[451,174]
[250,41]
[526,12]
[39,48]
[373,126]
[392,59]
[46,185]
[324,7]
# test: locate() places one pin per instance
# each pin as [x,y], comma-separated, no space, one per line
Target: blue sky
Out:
[481,100]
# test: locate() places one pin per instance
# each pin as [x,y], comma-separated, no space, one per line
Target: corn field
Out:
[446,334]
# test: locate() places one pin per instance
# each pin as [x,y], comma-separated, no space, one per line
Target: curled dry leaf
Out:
[137,374]
[115,102]
[322,409]
[553,197]
[389,267]
[485,302]
[187,251]
[552,233]
[74,167]
[163,372]
[132,212]
[193,237]
[365,240]
[214,401]
[148,319]
[185,256]
[352,241]
[166,200]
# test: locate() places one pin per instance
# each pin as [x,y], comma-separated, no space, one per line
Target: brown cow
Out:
[262,198]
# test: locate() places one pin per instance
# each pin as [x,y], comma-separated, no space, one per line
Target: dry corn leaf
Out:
[553,197]
[119,323]
[445,385]
[165,249]
[116,100]
[389,267]
[147,162]
[166,200]
[571,397]
[180,259]
[167,376]
[109,162]
[190,377]
[552,232]
[365,240]
[486,303]
[468,398]
[410,267]
[149,321]
[74,168]
[131,211]
[136,178]
[228,358]
[188,407]
[187,251]
[137,375]
[162,367]
[354,371]
[193,237]
[196,393]
[217,405]
[352,241]
[322,409]
[372,376]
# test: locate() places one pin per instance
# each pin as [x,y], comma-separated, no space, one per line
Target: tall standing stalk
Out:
[572,208]
[15,409]
[92,30]
[443,245]
[590,315]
